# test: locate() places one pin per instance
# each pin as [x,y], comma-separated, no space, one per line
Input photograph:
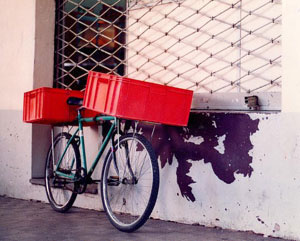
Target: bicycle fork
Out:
[116,180]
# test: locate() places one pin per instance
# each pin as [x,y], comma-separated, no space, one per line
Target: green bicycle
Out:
[129,179]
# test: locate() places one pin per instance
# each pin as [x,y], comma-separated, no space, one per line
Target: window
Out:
[89,36]
[222,50]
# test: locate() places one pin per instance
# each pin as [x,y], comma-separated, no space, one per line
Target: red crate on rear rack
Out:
[133,99]
[49,106]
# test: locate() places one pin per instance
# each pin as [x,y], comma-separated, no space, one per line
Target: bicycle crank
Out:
[81,180]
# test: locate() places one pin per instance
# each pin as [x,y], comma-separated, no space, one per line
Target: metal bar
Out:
[97,118]
[203,46]
[81,138]
[52,144]
[102,148]
[61,174]
[65,150]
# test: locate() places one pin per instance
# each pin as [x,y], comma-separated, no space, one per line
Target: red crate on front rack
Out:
[49,106]
[133,99]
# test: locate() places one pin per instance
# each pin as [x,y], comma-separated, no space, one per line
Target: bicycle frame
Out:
[79,131]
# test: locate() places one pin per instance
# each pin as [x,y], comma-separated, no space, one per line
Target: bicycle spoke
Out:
[130,202]
[61,192]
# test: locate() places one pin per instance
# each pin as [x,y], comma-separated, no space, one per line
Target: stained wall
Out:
[231,170]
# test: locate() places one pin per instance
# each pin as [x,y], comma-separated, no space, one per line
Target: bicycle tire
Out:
[56,185]
[118,190]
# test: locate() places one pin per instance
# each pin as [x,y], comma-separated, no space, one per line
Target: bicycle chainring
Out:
[81,180]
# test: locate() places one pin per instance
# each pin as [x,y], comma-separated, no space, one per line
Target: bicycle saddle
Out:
[74,101]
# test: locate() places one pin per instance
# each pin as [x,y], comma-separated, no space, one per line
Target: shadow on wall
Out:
[221,139]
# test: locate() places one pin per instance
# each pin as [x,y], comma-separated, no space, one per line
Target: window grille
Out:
[209,46]
[89,35]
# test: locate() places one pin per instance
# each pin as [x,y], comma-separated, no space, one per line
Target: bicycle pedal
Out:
[113,181]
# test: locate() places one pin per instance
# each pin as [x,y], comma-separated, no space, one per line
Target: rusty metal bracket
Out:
[252,102]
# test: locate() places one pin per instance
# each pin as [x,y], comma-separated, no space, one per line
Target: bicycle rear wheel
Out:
[61,192]
[130,182]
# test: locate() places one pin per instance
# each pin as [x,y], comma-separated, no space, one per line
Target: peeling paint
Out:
[221,148]
[194,139]
[219,139]
[276,227]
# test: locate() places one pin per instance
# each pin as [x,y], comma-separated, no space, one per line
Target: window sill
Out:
[91,188]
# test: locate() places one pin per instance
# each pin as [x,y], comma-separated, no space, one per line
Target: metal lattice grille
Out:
[89,36]
[207,46]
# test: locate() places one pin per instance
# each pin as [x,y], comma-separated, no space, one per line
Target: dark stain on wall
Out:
[235,130]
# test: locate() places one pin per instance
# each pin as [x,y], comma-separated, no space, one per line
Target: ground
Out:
[31,220]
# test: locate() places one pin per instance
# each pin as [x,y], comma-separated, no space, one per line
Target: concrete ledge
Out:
[91,188]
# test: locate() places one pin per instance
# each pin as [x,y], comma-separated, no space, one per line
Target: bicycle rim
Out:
[61,191]
[130,185]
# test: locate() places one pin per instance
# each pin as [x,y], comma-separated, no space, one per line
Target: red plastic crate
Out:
[49,106]
[133,99]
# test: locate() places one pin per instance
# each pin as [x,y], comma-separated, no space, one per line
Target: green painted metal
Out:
[98,118]
[66,148]
[72,164]
[71,176]
[102,148]
[81,138]
[79,131]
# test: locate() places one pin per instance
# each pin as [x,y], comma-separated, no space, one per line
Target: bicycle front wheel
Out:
[61,191]
[130,182]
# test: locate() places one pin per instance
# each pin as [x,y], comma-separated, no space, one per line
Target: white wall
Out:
[17,19]
[272,206]
[291,56]
[265,202]
[17,51]
[26,62]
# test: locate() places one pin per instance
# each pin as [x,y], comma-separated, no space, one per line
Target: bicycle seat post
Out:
[52,142]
